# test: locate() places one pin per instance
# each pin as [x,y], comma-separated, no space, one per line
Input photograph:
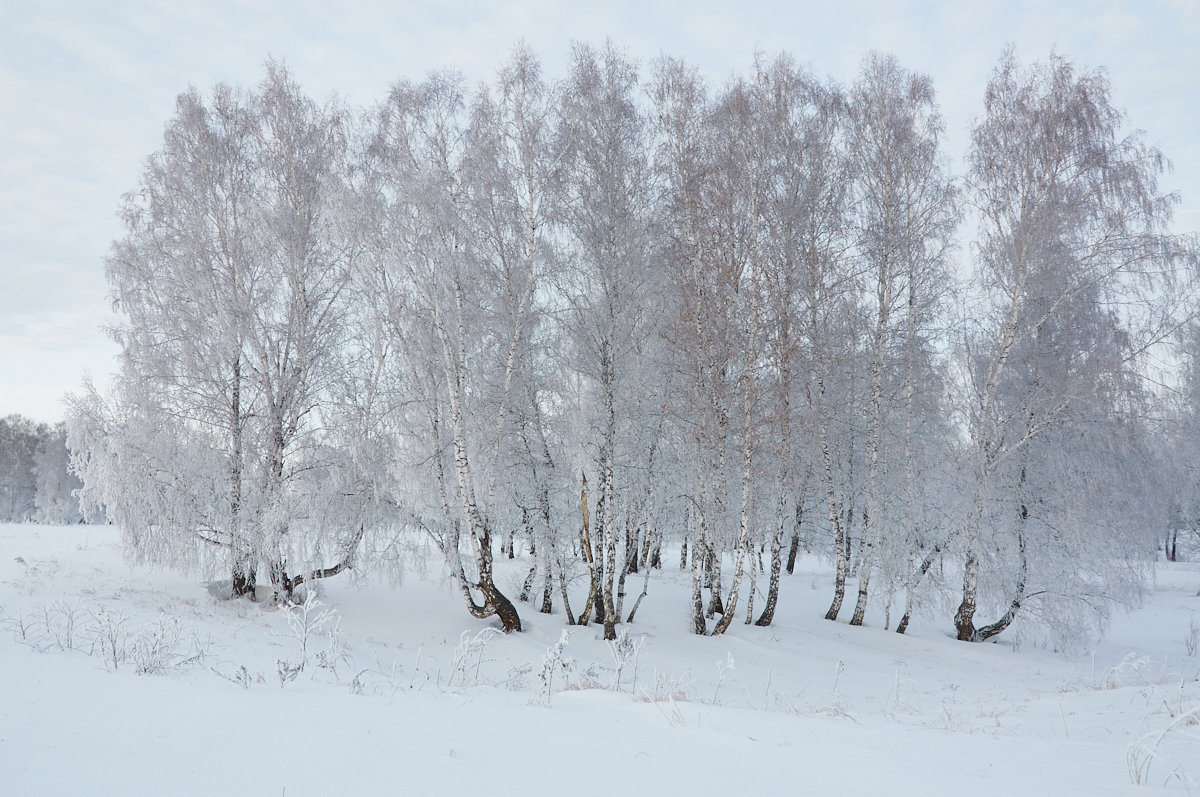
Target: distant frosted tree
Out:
[720,335]
[513,159]
[1180,448]
[56,498]
[20,441]
[754,205]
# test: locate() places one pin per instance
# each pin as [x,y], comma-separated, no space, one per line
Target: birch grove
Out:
[565,330]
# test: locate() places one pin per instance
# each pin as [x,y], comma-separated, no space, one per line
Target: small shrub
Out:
[155,649]
[110,636]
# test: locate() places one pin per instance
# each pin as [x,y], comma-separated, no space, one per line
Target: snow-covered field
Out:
[403,693]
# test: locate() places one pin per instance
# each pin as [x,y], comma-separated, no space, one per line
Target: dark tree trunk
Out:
[768,613]
[926,564]
[527,585]
[839,585]
[281,581]
[504,609]
[289,583]
[793,552]
[794,547]
[967,632]
[713,575]
[243,580]
[964,616]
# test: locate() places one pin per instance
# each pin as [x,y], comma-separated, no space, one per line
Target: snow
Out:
[805,706]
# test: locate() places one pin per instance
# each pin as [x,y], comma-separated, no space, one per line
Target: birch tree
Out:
[805,286]
[182,278]
[905,215]
[1082,278]
[230,277]
[681,107]
[608,283]
[456,265]
[514,161]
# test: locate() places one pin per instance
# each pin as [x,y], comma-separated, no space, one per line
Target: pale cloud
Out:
[87,87]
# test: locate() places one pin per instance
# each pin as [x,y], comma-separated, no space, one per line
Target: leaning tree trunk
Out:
[964,617]
[794,545]
[988,631]
[645,580]
[494,602]
[768,613]
[628,565]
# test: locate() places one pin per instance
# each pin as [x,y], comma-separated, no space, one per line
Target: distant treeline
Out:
[36,483]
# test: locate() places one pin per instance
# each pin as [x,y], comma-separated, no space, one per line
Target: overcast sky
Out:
[86,87]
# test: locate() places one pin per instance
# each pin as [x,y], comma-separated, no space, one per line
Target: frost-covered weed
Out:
[309,623]
[33,573]
[555,662]
[412,681]
[335,652]
[96,630]
[287,671]
[305,621]
[837,706]
[240,676]
[896,703]
[1174,748]
[1130,671]
[47,627]
[468,656]
[625,650]
[669,688]
[379,680]
[723,668]
[517,676]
